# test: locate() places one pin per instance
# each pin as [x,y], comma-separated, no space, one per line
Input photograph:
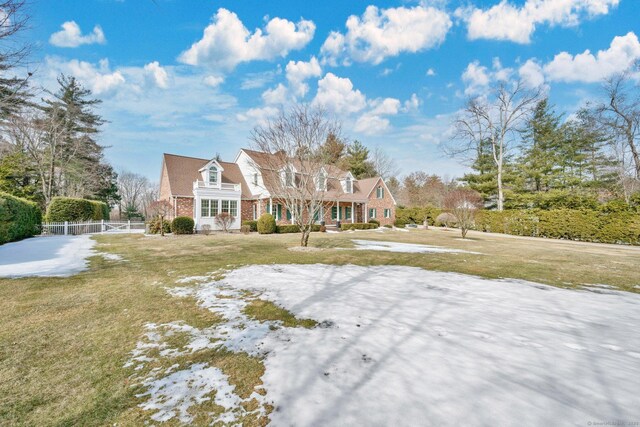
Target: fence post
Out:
[66,228]
[129,226]
[102,226]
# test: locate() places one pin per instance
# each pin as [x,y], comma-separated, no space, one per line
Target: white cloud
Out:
[275,96]
[589,68]
[531,73]
[382,33]
[412,103]
[258,116]
[213,81]
[374,121]
[226,42]
[477,78]
[159,74]
[298,72]
[71,36]
[99,79]
[431,72]
[505,21]
[338,95]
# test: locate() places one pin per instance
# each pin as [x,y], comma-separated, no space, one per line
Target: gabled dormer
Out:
[212,174]
[288,176]
[321,180]
[347,183]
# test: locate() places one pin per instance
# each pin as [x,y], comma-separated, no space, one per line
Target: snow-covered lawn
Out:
[405,346]
[45,256]
[378,245]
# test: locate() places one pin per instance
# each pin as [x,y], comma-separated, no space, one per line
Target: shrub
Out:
[374,221]
[266,224]
[418,215]
[253,225]
[182,225]
[19,218]
[224,221]
[291,228]
[205,229]
[245,229]
[389,226]
[358,226]
[400,223]
[71,209]
[446,219]
[154,226]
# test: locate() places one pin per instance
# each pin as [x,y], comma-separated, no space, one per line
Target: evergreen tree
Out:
[80,166]
[357,161]
[541,141]
[333,149]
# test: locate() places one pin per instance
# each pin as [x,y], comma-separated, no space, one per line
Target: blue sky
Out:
[193,77]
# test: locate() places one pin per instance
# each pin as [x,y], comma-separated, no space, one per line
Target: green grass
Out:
[64,341]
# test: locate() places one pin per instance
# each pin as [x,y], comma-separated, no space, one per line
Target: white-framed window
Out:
[255,212]
[213,175]
[288,177]
[230,207]
[322,181]
[348,185]
[255,179]
[208,208]
[372,213]
[387,213]
[380,192]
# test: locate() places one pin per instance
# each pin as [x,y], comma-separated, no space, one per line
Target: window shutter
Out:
[289,214]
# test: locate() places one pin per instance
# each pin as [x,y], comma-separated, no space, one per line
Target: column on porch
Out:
[366,213]
[353,211]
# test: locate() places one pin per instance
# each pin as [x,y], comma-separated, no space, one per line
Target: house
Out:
[203,188]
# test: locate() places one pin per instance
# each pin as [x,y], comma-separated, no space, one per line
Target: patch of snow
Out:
[58,256]
[378,245]
[174,394]
[110,256]
[407,344]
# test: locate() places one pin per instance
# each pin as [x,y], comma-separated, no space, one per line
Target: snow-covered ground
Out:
[45,256]
[379,245]
[406,346]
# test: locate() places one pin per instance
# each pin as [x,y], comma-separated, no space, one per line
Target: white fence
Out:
[91,227]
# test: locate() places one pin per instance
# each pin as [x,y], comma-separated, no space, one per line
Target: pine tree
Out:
[357,161]
[538,164]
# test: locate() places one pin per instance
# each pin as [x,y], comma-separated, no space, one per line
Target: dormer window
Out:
[213,175]
[322,181]
[288,177]
[348,185]
[255,179]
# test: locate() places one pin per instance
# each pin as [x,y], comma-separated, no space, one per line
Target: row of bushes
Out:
[416,215]
[293,228]
[71,209]
[19,218]
[359,226]
[584,225]
[179,225]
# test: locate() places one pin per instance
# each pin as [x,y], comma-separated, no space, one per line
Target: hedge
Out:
[19,218]
[182,225]
[417,215]
[359,226]
[71,209]
[572,224]
[253,225]
[293,228]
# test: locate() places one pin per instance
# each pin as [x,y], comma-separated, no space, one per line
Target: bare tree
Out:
[41,138]
[497,118]
[223,221]
[295,168]
[161,209]
[463,204]
[132,188]
[383,164]
[621,116]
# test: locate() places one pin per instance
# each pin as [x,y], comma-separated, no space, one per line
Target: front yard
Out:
[230,328]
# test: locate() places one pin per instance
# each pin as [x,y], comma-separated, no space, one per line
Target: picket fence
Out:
[91,227]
